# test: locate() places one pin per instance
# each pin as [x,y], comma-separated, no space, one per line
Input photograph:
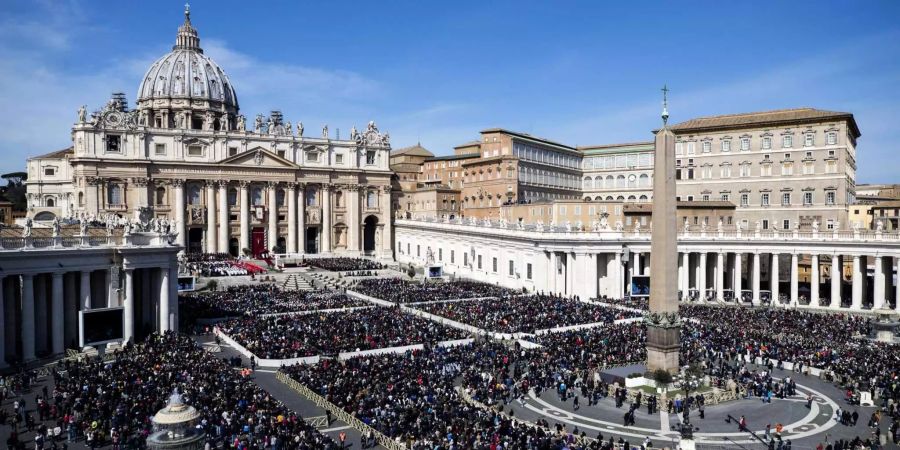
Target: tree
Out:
[15,189]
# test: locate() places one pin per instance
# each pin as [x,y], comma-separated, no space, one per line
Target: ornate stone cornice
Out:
[662,319]
[176,182]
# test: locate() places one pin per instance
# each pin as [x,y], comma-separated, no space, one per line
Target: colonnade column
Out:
[588,264]
[775,279]
[814,280]
[326,219]
[757,270]
[795,280]
[301,218]
[27,317]
[245,215]
[897,286]
[856,299]
[211,242]
[720,276]
[273,216]
[224,228]
[164,324]
[702,280]
[85,290]
[353,208]
[387,214]
[685,274]
[836,275]
[180,228]
[57,314]
[292,218]
[878,290]
[738,273]
[128,311]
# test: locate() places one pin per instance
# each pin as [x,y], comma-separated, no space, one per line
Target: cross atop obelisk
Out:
[663,323]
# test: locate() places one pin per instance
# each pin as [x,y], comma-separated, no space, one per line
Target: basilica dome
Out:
[187,78]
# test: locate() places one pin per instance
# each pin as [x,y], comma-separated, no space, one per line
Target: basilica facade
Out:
[231,184]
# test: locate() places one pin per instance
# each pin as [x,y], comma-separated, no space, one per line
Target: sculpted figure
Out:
[300,129]
[82,114]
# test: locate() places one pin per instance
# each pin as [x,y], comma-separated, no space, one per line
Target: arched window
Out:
[114,194]
[644,180]
[632,181]
[256,196]
[631,198]
[643,198]
[372,199]
[598,182]
[587,183]
[50,202]
[620,198]
[620,181]
[609,198]
[160,196]
[194,194]
[232,197]
[610,183]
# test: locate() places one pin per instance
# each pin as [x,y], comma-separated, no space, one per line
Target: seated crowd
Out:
[217,265]
[342,264]
[298,336]
[401,291]
[113,402]
[261,299]
[525,313]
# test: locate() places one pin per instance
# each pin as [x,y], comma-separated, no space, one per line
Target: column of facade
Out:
[301,218]
[292,218]
[245,215]
[57,343]
[632,268]
[588,264]
[40,313]
[814,280]
[757,271]
[696,266]
[836,275]
[180,228]
[878,289]
[387,236]
[128,310]
[551,283]
[325,239]
[775,279]
[27,325]
[163,291]
[856,299]
[720,276]
[211,242]
[353,222]
[173,295]
[619,279]
[897,285]
[273,216]
[85,290]
[224,228]
[795,280]
[738,281]
[702,280]
[685,274]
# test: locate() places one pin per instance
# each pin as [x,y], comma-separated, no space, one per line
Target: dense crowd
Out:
[217,265]
[112,402]
[525,313]
[261,299]
[341,264]
[401,291]
[297,336]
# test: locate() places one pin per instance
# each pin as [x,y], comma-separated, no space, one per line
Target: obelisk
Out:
[663,323]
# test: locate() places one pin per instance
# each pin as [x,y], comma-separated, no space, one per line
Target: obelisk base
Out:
[663,347]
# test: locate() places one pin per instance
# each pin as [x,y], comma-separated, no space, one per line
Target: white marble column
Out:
[353,208]
[702,280]
[795,280]
[292,218]
[301,218]
[775,279]
[325,237]
[224,216]
[211,242]
[618,274]
[245,215]
[685,271]
[633,267]
[814,279]
[180,227]
[85,290]
[128,310]
[836,275]
[588,264]
[163,295]
[27,325]
[878,288]
[720,276]
[173,295]
[57,314]
[757,271]
[857,284]
[273,216]
[738,280]
[695,264]
[387,234]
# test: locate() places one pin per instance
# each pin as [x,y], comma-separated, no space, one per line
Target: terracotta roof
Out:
[55,155]
[453,157]
[415,150]
[468,144]
[526,136]
[775,117]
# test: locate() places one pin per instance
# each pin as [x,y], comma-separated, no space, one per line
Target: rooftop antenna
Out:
[665,111]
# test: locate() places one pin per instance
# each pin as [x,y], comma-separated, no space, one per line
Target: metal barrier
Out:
[317,422]
[339,413]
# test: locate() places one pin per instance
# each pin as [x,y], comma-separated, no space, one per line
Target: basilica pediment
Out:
[258,157]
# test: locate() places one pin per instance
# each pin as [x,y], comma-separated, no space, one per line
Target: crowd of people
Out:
[261,299]
[401,291]
[217,265]
[525,313]
[298,336]
[343,264]
[101,403]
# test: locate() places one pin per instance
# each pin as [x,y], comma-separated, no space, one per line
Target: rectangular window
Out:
[440,254]
[512,267]
[232,151]
[577,210]
[113,143]
[766,143]
[528,271]
[807,198]
[829,198]
[418,250]
[679,148]
[452,256]
[831,138]
[787,141]
[765,224]
[764,199]
[787,169]
[49,171]
[705,197]
[339,158]
[786,199]
[745,144]
[159,149]
[829,225]
[690,148]
[370,157]
[195,150]
[707,146]
[479,262]
[809,140]
[745,200]
[786,224]
[726,145]
[726,197]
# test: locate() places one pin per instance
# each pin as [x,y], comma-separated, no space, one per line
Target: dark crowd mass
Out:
[525,313]
[401,291]
[298,336]
[341,264]
[261,299]
[111,403]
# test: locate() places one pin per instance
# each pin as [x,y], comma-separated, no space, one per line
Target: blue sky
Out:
[438,72]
